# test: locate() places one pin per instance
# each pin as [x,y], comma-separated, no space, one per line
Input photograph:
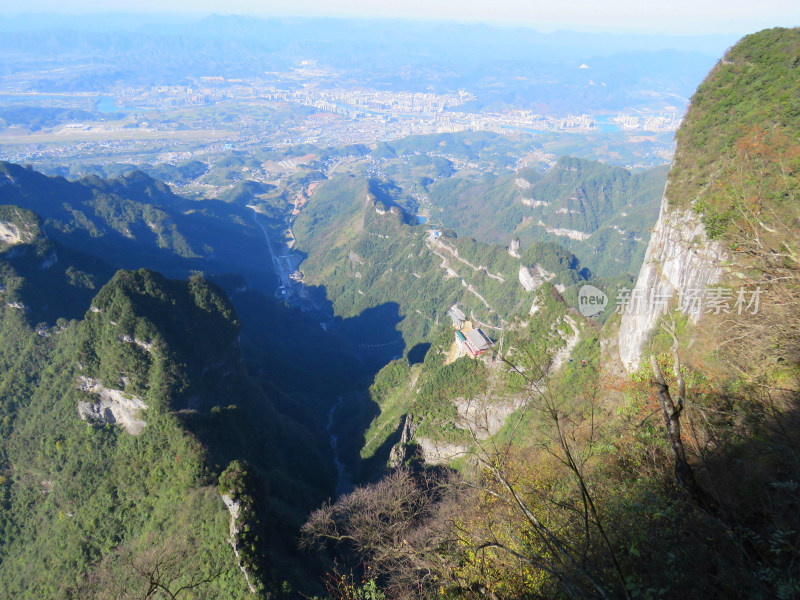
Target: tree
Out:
[672,411]
[398,526]
[523,520]
[152,569]
[555,529]
[753,207]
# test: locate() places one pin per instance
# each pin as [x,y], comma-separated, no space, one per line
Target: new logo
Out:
[591,301]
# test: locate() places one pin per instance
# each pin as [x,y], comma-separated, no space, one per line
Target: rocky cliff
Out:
[733,180]
[679,265]
[234,528]
[111,406]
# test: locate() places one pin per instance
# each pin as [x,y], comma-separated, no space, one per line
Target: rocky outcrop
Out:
[486,416]
[405,449]
[522,184]
[570,233]
[11,234]
[146,346]
[482,416]
[432,452]
[562,355]
[533,203]
[680,263]
[111,406]
[234,507]
[437,452]
[532,278]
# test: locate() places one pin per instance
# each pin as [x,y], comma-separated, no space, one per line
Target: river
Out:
[343,483]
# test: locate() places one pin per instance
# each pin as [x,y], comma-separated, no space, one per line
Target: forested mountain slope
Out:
[134,220]
[677,479]
[369,258]
[117,426]
[730,216]
[599,212]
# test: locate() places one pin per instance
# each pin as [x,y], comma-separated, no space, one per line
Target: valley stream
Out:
[343,483]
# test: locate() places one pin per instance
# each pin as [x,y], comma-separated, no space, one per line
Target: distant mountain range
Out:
[536,69]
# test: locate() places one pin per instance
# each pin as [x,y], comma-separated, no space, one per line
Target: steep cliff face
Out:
[234,528]
[734,181]
[680,264]
[532,278]
[17,226]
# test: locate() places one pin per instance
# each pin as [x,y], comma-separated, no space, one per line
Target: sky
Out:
[643,16]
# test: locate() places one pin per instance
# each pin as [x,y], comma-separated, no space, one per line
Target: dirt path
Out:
[446,265]
[454,253]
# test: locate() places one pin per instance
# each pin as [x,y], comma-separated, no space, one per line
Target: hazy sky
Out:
[673,16]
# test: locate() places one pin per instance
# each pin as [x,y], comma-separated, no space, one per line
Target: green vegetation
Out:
[612,206]
[237,483]
[21,223]
[122,209]
[168,355]
[36,272]
[390,392]
[737,164]
[463,379]
[678,480]
[238,401]
[136,221]
[753,88]
[73,492]
[83,501]
[584,492]
[533,339]
[426,392]
[369,261]
[341,197]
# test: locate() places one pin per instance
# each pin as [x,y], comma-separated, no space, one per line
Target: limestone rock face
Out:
[438,452]
[11,234]
[486,416]
[680,261]
[111,406]
[404,450]
[532,278]
[234,507]
[521,183]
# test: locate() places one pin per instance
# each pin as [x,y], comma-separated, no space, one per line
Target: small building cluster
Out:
[474,342]
[469,341]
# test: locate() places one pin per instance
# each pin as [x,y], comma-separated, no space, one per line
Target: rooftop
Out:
[478,340]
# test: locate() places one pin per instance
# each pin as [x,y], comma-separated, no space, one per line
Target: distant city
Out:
[337,117]
[385,114]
